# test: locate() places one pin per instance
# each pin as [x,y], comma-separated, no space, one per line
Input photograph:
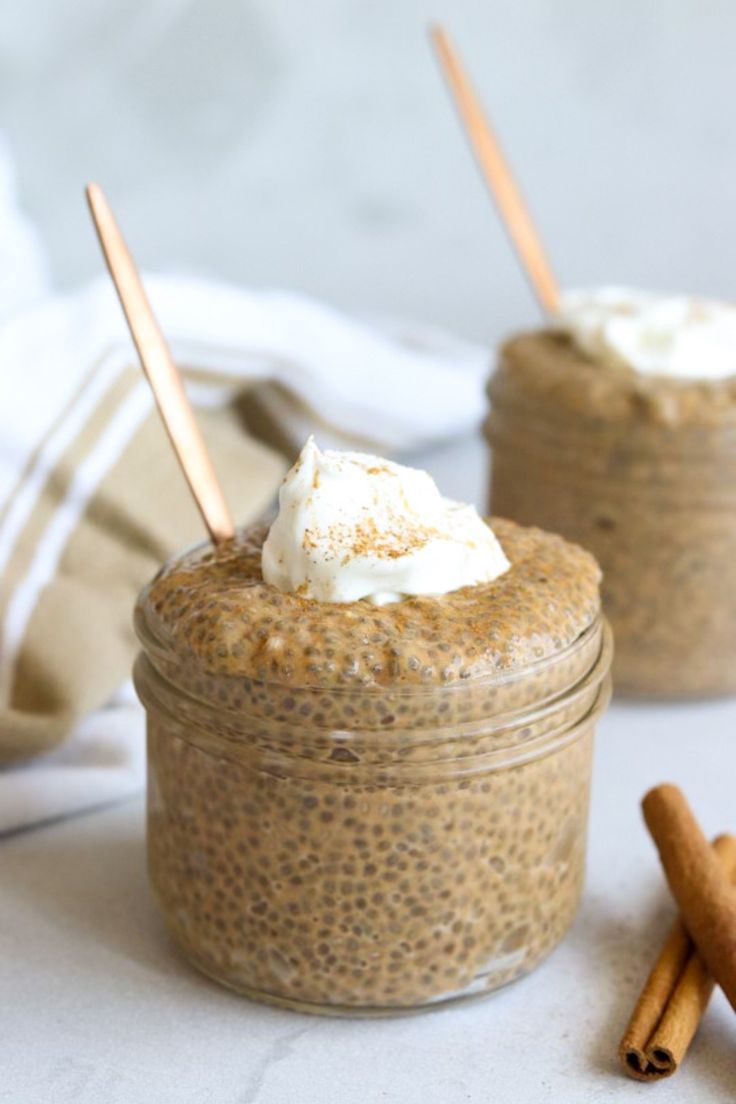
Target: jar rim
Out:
[483,744]
[527,729]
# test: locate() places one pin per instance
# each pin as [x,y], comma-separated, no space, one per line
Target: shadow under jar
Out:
[641,471]
[359,809]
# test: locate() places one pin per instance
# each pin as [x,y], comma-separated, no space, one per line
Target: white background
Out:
[312,145]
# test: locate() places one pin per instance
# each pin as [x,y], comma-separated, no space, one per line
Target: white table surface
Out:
[98,1008]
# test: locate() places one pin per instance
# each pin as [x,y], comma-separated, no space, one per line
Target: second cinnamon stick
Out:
[706,897]
[674,997]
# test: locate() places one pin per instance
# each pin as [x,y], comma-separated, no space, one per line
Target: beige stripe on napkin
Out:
[55,425]
[55,487]
[68,642]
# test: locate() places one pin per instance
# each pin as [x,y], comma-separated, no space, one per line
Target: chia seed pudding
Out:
[641,470]
[361,809]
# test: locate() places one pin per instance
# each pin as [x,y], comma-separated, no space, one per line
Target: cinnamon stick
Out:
[674,997]
[706,896]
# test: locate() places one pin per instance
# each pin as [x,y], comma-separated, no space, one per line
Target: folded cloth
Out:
[91,500]
[382,386]
[101,760]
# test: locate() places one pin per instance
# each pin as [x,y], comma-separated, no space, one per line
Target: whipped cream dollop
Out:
[354,526]
[664,335]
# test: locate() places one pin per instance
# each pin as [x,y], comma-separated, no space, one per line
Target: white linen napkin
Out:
[385,388]
[103,760]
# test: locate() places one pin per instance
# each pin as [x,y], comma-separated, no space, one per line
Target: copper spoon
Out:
[497,174]
[163,375]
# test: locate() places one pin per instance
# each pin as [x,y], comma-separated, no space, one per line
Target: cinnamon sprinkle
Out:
[367,539]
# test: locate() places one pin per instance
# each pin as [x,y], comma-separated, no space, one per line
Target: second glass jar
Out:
[643,474]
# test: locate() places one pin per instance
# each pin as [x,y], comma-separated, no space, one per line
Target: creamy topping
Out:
[663,335]
[354,526]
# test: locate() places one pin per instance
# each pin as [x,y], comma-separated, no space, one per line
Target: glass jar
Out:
[431,849]
[642,473]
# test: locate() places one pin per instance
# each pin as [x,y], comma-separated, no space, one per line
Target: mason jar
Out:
[366,850]
[642,472]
